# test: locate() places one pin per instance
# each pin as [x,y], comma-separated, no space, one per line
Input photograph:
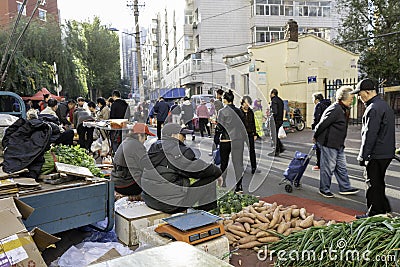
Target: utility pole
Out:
[138,50]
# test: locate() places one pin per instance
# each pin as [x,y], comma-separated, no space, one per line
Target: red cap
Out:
[141,128]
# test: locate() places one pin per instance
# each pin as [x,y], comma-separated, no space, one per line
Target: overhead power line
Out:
[226,12]
[12,35]
[368,38]
[17,43]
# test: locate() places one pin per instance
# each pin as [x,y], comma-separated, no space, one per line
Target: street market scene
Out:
[199,133]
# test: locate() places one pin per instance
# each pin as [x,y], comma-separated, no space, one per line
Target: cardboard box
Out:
[218,247]
[17,207]
[18,247]
[129,220]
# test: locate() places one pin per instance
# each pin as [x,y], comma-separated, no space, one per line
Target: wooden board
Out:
[4,175]
[73,170]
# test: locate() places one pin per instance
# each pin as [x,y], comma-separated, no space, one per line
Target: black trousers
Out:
[159,124]
[131,190]
[190,126]
[85,136]
[377,202]
[318,152]
[252,151]
[278,144]
[203,124]
[201,195]
[225,149]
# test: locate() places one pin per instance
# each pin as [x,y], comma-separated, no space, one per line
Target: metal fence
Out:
[358,109]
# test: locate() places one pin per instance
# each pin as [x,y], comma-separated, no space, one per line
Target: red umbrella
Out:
[39,95]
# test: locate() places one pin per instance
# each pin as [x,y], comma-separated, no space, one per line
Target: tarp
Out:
[174,93]
[39,95]
[168,93]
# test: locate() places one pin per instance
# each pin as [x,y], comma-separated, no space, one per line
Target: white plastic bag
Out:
[96,145]
[105,148]
[281,133]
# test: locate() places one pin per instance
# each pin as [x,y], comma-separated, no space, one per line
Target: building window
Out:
[246,84]
[323,33]
[42,14]
[188,17]
[197,42]
[188,42]
[233,86]
[293,8]
[19,6]
[269,34]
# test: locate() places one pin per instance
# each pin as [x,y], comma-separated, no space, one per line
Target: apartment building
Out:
[151,57]
[128,58]
[9,10]
[195,35]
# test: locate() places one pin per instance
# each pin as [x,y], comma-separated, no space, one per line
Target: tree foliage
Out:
[96,50]
[368,20]
[86,55]
[32,66]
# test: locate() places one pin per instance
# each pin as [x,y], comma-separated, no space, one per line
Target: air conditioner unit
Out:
[194,25]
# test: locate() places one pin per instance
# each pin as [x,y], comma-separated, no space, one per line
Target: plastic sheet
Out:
[98,236]
[124,203]
[85,253]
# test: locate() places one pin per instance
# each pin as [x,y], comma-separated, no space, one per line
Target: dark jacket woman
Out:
[319,110]
[230,123]
[332,129]
[249,121]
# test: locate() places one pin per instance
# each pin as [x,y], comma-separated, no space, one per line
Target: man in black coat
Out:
[119,109]
[161,109]
[377,146]
[277,112]
[165,179]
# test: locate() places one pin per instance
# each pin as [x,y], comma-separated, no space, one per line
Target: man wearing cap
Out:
[165,181]
[377,146]
[128,166]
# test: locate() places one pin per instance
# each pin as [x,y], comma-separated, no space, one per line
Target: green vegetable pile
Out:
[73,155]
[364,242]
[232,202]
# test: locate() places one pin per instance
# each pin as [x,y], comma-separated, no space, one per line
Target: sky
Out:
[113,13]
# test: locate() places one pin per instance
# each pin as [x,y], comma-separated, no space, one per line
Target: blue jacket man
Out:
[161,110]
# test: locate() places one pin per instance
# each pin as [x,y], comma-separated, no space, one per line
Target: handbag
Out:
[281,133]
[217,156]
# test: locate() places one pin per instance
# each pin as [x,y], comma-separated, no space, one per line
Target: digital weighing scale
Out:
[192,228]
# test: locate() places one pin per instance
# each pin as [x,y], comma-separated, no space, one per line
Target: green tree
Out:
[369,27]
[32,66]
[96,53]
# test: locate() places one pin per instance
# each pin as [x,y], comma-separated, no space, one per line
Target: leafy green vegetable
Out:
[73,155]
[231,202]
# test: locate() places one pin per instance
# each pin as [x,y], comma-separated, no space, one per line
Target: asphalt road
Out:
[267,182]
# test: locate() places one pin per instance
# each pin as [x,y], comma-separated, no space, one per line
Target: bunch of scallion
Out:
[373,241]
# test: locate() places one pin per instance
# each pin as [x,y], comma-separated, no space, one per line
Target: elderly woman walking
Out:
[330,134]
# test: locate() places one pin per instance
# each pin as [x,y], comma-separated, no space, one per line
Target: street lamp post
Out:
[138,53]
[138,57]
